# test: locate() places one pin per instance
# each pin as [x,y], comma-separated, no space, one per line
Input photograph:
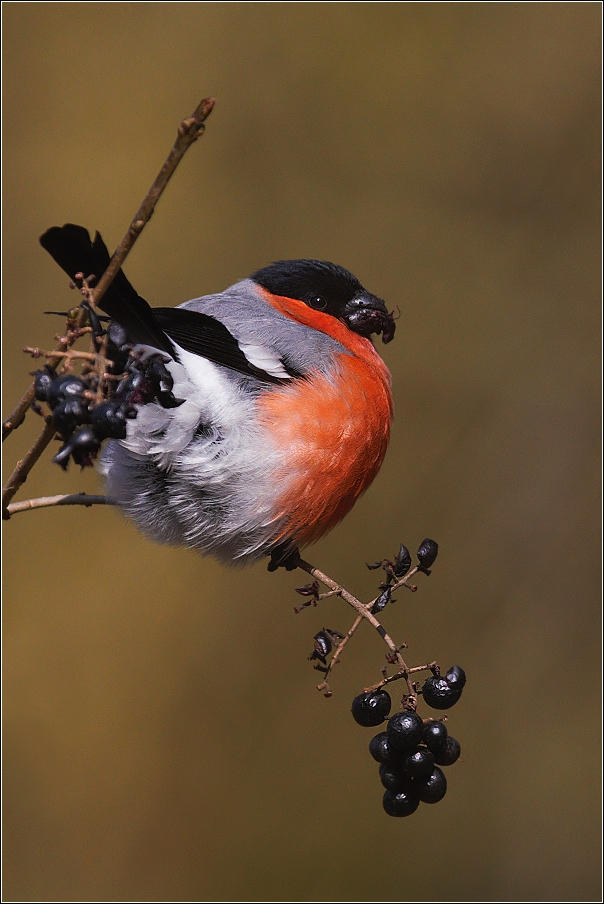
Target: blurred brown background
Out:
[163,737]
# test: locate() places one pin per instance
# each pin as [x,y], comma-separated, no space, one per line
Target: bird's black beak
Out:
[366,314]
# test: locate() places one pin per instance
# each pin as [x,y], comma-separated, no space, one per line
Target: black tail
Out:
[70,246]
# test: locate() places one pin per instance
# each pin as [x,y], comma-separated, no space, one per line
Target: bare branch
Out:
[66,499]
[364,611]
[24,466]
[189,131]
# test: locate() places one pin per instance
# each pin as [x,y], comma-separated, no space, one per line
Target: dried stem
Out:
[398,675]
[69,499]
[24,466]
[189,131]
[364,611]
[70,353]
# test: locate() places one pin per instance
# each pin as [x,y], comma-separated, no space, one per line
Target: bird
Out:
[287,405]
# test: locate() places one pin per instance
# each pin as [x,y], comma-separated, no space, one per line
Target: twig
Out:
[364,611]
[324,686]
[398,675]
[68,499]
[70,353]
[23,467]
[189,131]
[360,607]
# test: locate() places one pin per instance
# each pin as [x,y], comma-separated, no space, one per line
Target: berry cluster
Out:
[90,408]
[412,750]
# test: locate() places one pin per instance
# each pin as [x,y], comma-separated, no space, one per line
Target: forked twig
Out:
[189,130]
[364,612]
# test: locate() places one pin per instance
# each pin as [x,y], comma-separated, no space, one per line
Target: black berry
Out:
[109,420]
[435,735]
[393,777]
[433,787]
[68,413]
[403,562]
[382,601]
[405,731]
[456,677]
[42,380]
[439,694]
[371,709]
[419,763]
[401,803]
[378,747]
[448,753]
[118,336]
[83,445]
[66,386]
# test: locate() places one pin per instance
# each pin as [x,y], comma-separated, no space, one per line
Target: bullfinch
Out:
[286,414]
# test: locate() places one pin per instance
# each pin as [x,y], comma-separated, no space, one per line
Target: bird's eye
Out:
[318,302]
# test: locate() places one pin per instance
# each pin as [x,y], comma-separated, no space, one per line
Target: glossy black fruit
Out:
[405,731]
[401,803]
[456,677]
[378,747]
[82,445]
[403,562]
[42,380]
[382,601]
[433,787]
[439,694]
[419,763]
[448,753]
[394,777]
[118,336]
[435,734]
[372,708]
[63,387]
[109,420]
[68,414]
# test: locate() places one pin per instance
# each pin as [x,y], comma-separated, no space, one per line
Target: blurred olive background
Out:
[163,736]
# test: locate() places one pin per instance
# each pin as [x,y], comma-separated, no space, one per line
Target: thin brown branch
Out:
[364,610]
[360,607]
[24,466]
[36,352]
[68,499]
[398,675]
[189,131]
[17,415]
[324,686]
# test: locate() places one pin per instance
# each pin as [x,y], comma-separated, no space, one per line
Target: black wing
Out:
[204,335]
[70,246]
[72,249]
